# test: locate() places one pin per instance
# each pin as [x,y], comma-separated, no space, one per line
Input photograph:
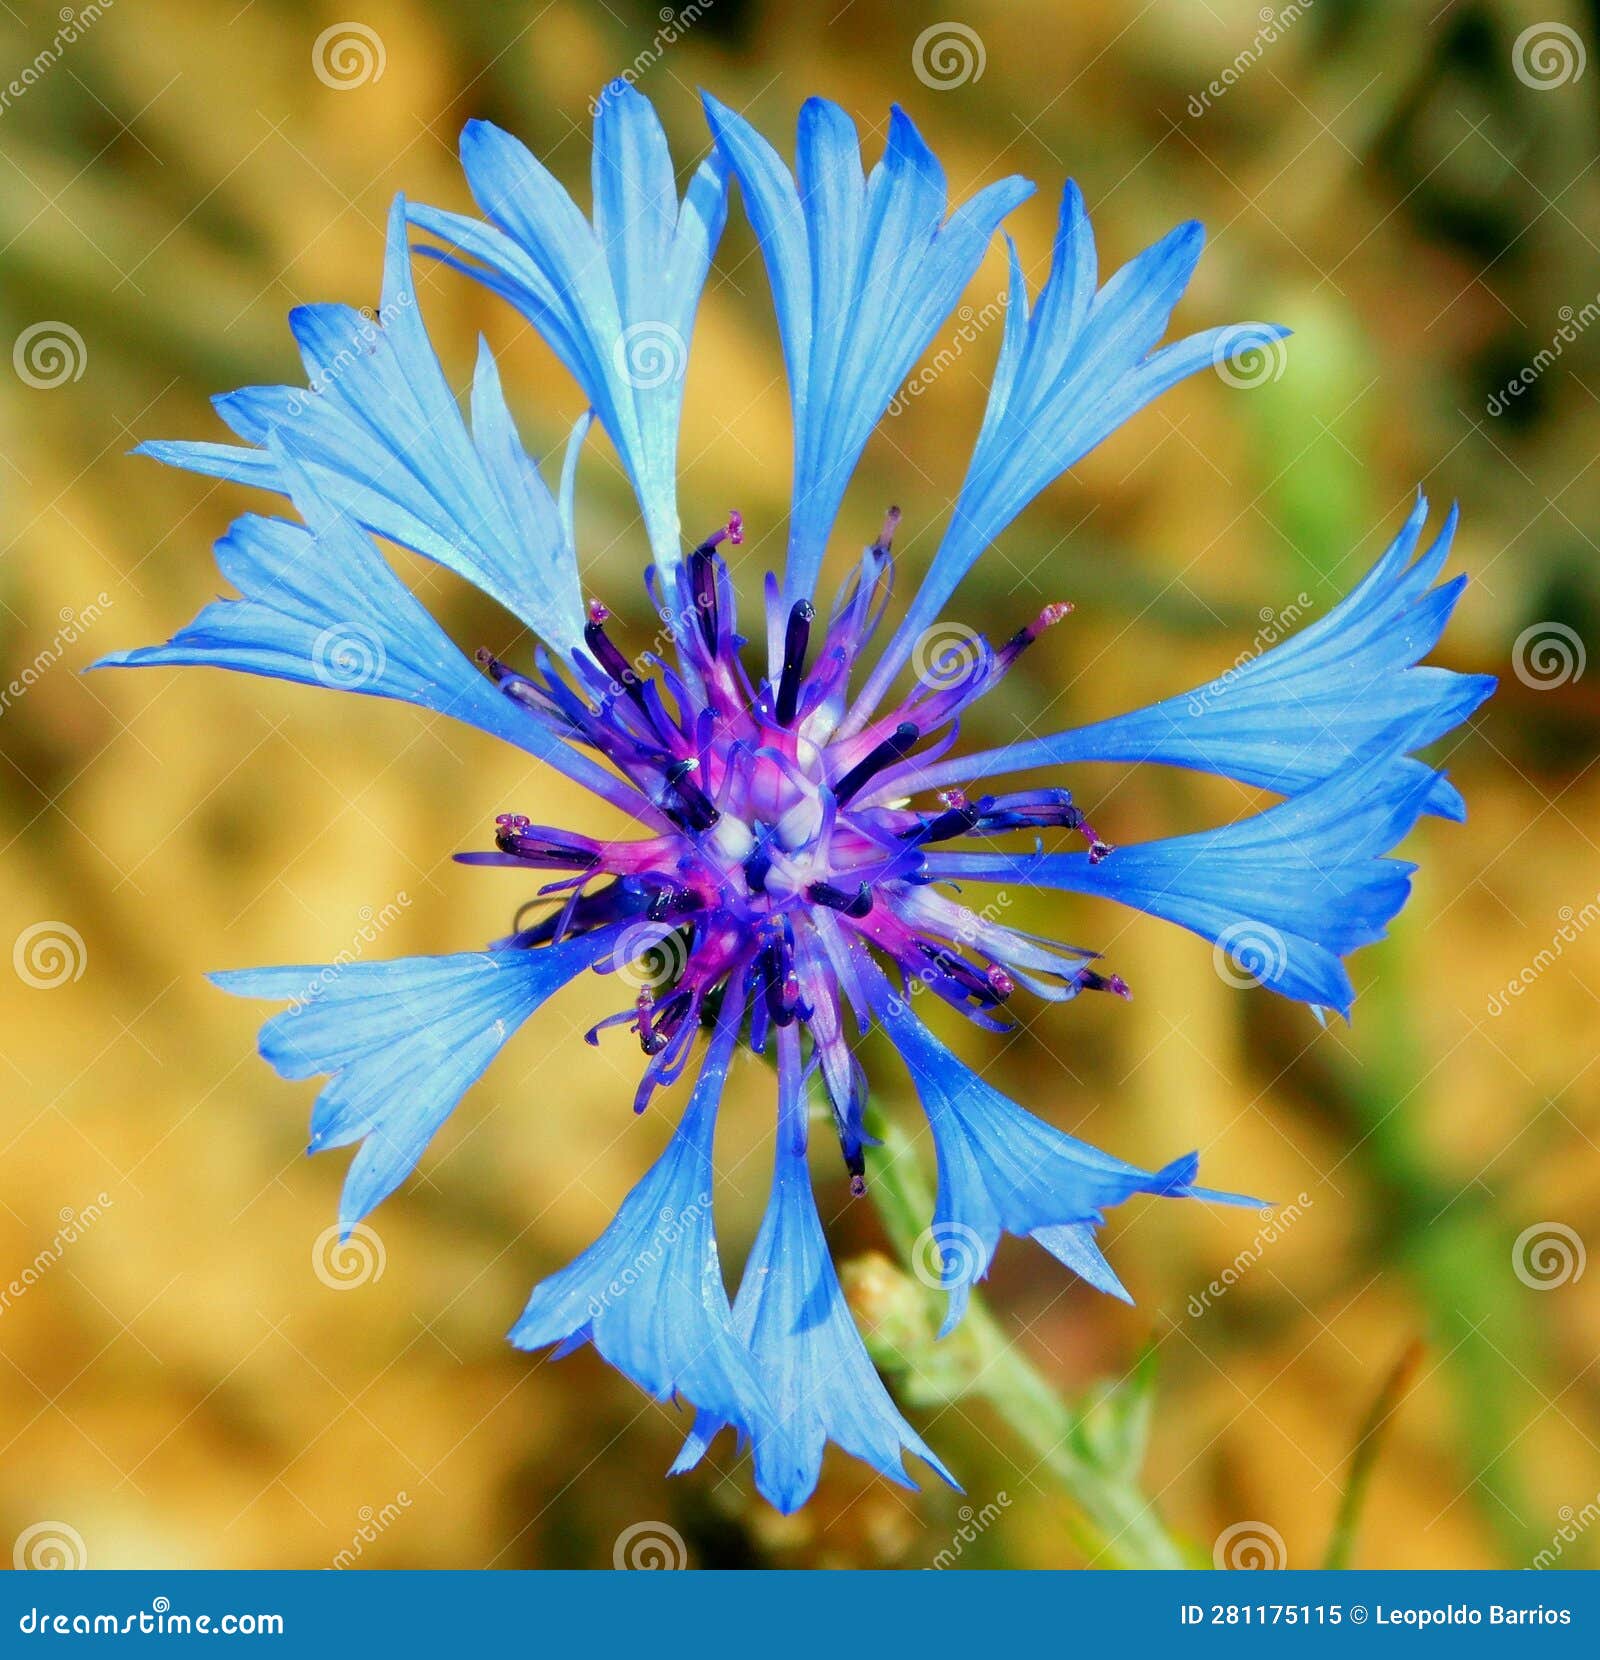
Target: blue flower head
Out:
[808,853]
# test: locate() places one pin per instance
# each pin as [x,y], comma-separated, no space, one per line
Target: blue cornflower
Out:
[800,830]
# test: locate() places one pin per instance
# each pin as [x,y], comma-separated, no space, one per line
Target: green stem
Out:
[1091,1458]
[1365,1457]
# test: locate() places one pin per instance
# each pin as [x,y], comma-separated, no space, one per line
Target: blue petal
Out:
[864,270]
[648,1293]
[1288,892]
[321,606]
[616,300]
[403,1041]
[792,1316]
[1001,1170]
[381,435]
[1071,373]
[1288,718]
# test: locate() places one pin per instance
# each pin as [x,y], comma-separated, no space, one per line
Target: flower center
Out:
[782,836]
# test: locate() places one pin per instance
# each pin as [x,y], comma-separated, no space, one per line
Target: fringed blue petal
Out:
[1002,1170]
[1289,717]
[1071,372]
[792,1316]
[616,300]
[382,437]
[1287,892]
[864,269]
[320,606]
[648,1293]
[403,1041]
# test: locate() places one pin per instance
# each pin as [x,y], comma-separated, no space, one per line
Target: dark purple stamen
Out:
[836,899]
[612,663]
[698,808]
[797,636]
[953,821]
[892,749]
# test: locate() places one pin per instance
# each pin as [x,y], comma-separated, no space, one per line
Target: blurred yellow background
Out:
[1412,187]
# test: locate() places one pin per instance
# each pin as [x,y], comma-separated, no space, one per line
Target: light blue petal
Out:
[381,435]
[320,606]
[1287,892]
[648,1293]
[1074,370]
[403,1041]
[792,1316]
[1287,718]
[616,299]
[864,271]
[1002,1170]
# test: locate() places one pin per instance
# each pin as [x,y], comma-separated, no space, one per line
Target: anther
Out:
[891,522]
[796,637]
[892,749]
[698,807]
[855,904]
[1025,636]
[605,653]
